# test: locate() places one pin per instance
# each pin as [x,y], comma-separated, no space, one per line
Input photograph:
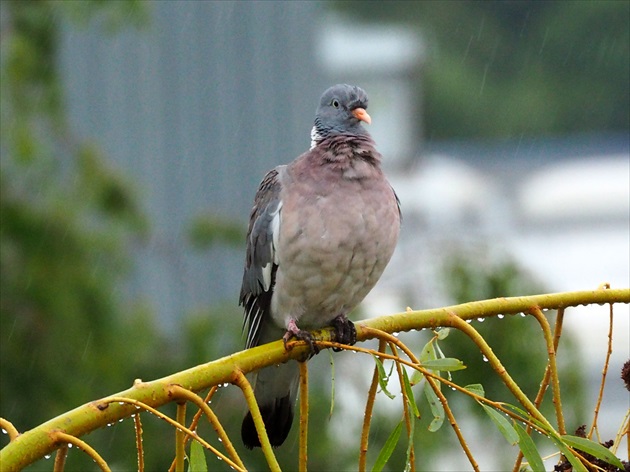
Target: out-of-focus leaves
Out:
[207,230]
[508,69]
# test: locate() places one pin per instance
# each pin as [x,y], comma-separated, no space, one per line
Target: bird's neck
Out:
[353,155]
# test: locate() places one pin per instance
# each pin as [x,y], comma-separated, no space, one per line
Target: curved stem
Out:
[367,416]
[553,369]
[61,437]
[248,392]
[604,373]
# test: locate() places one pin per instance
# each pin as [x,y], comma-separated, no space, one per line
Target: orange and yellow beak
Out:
[362,115]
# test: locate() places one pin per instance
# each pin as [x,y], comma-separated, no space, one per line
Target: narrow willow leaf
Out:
[477,389]
[523,414]
[197,458]
[446,363]
[436,409]
[528,448]
[593,448]
[443,333]
[382,378]
[502,424]
[410,444]
[575,462]
[388,448]
[416,377]
[428,352]
[410,397]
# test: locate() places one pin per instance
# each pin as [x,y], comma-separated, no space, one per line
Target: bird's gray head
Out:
[341,111]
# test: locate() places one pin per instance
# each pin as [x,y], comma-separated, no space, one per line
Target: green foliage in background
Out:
[69,222]
[507,69]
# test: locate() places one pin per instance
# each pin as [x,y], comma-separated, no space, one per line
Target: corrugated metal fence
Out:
[194,108]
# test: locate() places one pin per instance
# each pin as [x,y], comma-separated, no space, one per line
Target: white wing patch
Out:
[275,233]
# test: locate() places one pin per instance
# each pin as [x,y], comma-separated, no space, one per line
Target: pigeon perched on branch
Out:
[321,232]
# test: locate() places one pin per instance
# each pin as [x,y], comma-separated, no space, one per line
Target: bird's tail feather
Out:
[275,389]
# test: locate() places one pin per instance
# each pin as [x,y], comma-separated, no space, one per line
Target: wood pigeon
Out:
[320,234]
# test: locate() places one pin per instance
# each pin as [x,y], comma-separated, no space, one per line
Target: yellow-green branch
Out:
[34,444]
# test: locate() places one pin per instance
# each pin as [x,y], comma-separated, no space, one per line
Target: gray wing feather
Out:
[260,260]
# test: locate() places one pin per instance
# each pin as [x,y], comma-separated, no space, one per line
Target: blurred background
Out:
[133,138]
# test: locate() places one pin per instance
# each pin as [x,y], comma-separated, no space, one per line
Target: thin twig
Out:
[600,396]
[137,425]
[453,422]
[60,459]
[427,373]
[248,392]
[553,368]
[195,421]
[545,381]
[180,436]
[303,457]
[180,392]
[406,413]
[367,416]
[495,363]
[175,424]
[61,437]
[9,428]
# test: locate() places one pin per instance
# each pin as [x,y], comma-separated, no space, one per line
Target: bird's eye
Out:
[335,103]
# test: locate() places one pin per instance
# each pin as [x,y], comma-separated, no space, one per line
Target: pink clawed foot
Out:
[299,334]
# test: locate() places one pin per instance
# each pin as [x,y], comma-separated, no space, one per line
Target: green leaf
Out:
[388,448]
[197,458]
[436,408]
[575,462]
[528,448]
[502,424]
[410,444]
[409,392]
[593,448]
[416,377]
[382,377]
[477,389]
[428,352]
[446,363]
[443,333]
